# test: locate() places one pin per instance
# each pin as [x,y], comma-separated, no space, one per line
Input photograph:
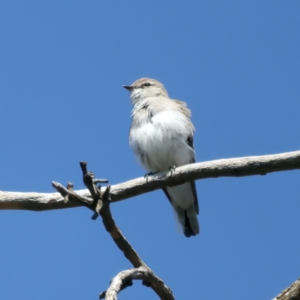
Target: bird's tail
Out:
[188,220]
[185,203]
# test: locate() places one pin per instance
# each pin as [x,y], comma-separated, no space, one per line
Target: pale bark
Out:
[290,293]
[233,167]
[124,280]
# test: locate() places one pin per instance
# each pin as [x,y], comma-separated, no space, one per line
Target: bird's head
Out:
[145,88]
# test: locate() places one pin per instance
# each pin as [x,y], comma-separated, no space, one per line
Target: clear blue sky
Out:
[62,67]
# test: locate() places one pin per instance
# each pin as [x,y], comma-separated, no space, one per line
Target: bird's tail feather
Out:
[191,221]
[187,218]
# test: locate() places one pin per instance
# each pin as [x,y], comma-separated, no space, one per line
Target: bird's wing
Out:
[190,141]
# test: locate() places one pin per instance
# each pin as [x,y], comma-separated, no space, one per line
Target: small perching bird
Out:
[161,136]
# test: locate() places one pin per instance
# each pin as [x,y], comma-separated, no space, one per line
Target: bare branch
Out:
[119,283]
[124,280]
[233,167]
[101,204]
[68,193]
[290,293]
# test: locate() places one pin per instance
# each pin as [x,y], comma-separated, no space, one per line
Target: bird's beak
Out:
[128,87]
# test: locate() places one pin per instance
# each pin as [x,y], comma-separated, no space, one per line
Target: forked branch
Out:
[100,205]
[99,202]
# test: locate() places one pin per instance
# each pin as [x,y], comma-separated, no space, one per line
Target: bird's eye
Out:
[147,84]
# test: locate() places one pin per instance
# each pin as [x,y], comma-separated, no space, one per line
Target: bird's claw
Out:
[172,169]
[146,176]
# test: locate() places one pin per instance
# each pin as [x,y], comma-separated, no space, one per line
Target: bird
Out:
[161,136]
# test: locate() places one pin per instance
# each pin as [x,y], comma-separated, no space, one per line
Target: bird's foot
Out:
[172,170]
[146,176]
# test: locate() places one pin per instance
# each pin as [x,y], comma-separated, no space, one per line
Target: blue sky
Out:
[62,67]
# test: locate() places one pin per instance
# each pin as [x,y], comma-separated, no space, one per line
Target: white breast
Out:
[160,142]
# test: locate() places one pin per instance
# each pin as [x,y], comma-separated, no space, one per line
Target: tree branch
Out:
[124,280]
[290,293]
[233,167]
[101,205]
